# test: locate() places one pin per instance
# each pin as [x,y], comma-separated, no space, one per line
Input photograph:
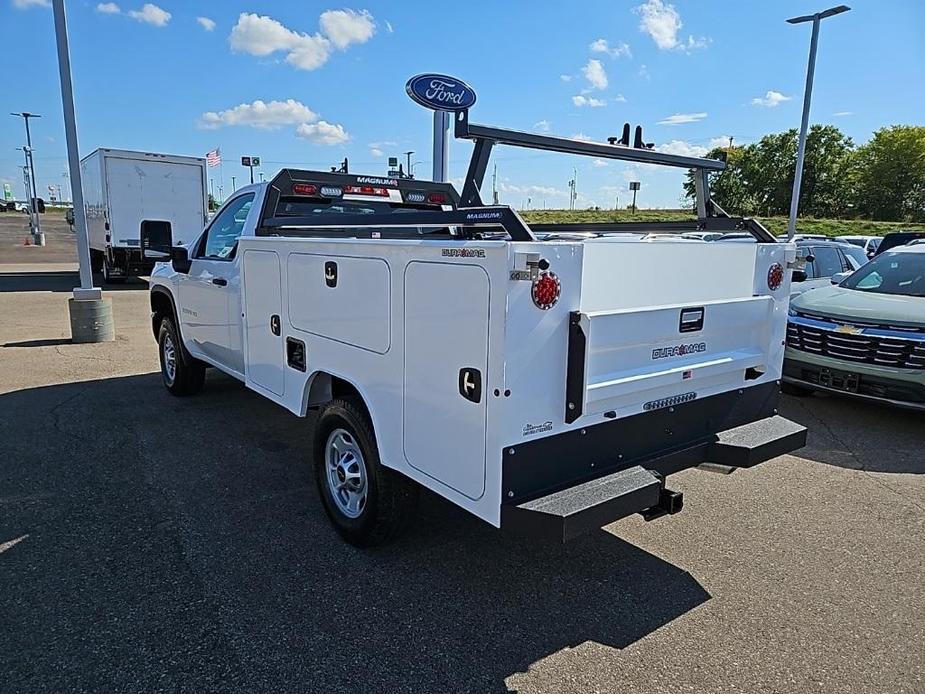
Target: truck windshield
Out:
[891,273]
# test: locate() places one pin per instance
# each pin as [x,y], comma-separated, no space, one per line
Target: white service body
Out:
[406,315]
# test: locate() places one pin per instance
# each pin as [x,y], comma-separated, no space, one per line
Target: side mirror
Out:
[798,276]
[156,240]
[840,277]
[40,205]
[69,216]
[180,260]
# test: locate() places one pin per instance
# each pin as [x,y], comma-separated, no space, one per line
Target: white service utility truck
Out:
[547,383]
[121,188]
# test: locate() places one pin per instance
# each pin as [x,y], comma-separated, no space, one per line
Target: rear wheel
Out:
[106,272]
[368,504]
[182,376]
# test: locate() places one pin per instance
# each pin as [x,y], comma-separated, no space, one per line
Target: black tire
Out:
[106,278]
[795,390]
[390,497]
[182,374]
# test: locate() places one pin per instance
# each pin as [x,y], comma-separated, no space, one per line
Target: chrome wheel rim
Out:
[170,359]
[345,471]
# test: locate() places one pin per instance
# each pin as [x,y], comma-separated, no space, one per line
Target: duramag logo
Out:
[679,350]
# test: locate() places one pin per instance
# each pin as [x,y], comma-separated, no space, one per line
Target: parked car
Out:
[703,235]
[824,259]
[804,237]
[898,238]
[868,243]
[864,337]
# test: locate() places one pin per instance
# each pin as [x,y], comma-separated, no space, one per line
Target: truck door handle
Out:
[470,384]
[220,281]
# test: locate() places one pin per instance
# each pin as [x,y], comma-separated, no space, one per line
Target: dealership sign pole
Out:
[90,313]
[444,95]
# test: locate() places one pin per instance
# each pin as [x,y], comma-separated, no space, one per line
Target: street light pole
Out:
[90,313]
[33,205]
[816,19]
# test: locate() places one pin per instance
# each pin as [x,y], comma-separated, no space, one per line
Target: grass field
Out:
[777,225]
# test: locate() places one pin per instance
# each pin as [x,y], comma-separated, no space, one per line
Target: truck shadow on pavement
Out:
[859,435]
[58,281]
[168,543]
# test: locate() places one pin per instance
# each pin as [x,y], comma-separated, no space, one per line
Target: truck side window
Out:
[827,261]
[222,237]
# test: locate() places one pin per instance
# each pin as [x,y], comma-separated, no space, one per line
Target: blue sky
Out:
[184,77]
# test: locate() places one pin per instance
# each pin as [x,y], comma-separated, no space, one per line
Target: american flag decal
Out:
[214,158]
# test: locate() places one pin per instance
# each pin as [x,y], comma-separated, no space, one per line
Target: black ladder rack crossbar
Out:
[485,137]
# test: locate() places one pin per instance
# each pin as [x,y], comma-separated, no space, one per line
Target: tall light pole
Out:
[90,313]
[816,19]
[37,226]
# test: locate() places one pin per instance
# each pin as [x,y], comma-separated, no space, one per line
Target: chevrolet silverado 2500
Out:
[546,383]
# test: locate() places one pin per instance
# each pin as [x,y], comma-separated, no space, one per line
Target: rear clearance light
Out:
[366,190]
[304,189]
[545,291]
[775,276]
[436,198]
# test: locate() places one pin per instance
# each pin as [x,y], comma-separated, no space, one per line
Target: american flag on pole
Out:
[214,158]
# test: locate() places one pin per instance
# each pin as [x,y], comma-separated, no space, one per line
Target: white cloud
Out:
[108,8]
[543,126]
[376,152]
[599,163]
[377,149]
[770,99]
[620,99]
[260,35]
[151,14]
[662,23]
[644,72]
[260,114]
[602,46]
[682,148]
[323,133]
[206,23]
[595,74]
[588,101]
[345,27]
[840,114]
[681,118]
[388,27]
[581,137]
[539,191]
[24,4]
[566,78]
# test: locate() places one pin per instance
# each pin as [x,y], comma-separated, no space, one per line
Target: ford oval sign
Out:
[440,92]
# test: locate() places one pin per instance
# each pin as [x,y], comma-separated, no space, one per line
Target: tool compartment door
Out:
[634,357]
[264,348]
[445,366]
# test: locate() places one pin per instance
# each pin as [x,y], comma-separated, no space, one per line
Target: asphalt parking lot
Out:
[155,543]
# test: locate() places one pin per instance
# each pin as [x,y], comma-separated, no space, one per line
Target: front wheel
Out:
[368,504]
[182,376]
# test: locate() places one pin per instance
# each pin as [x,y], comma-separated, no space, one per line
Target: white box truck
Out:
[547,382]
[122,188]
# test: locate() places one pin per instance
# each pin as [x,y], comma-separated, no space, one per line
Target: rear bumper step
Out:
[565,514]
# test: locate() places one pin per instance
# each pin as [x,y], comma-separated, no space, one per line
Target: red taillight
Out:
[366,190]
[545,291]
[775,276]
[304,189]
[436,198]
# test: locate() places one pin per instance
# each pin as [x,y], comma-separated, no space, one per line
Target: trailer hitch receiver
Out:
[669,503]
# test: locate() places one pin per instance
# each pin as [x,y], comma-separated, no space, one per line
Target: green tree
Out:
[890,174]
[759,177]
